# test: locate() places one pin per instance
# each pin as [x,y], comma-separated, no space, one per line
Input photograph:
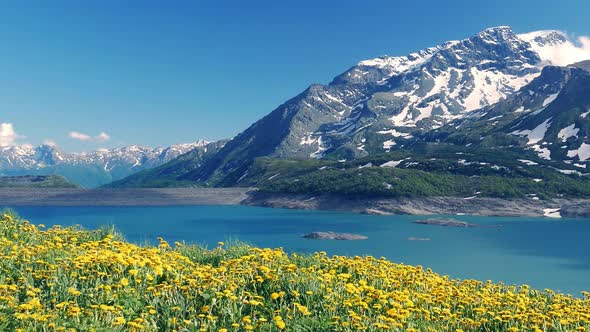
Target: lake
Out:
[541,252]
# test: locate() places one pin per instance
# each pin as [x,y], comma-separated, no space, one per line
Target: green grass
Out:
[66,279]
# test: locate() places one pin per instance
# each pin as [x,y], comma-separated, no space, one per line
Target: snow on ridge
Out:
[541,35]
[490,84]
[399,64]
[29,157]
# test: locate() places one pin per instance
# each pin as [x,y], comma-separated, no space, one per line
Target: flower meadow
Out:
[68,279]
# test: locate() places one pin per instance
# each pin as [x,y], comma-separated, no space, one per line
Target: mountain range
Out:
[95,168]
[494,102]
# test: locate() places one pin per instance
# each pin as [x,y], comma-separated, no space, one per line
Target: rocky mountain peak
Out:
[545,38]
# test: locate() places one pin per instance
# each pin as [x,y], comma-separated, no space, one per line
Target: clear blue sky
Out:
[163,72]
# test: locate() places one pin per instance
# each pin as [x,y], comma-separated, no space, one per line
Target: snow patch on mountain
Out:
[536,135]
[550,99]
[308,140]
[528,162]
[388,144]
[567,132]
[542,152]
[395,133]
[319,153]
[583,152]
[392,163]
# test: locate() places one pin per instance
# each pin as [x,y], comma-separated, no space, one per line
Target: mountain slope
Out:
[88,169]
[494,89]
[548,116]
[535,144]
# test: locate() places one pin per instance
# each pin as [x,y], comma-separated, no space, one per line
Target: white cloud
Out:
[49,142]
[8,135]
[79,136]
[103,136]
[84,137]
[568,52]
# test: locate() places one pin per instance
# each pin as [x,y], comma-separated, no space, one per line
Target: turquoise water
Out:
[541,252]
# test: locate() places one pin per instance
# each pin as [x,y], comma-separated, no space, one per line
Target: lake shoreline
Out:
[478,206]
[123,197]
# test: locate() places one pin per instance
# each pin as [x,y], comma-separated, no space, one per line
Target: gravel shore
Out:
[123,197]
[482,206]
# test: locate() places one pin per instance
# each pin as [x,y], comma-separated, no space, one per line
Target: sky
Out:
[100,74]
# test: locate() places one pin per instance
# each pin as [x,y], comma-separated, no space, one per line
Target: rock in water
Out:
[445,222]
[377,212]
[412,238]
[334,236]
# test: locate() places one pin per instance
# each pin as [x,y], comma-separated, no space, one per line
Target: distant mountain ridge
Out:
[496,90]
[90,169]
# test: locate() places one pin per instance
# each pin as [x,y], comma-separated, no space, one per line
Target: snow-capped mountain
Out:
[93,168]
[496,89]
[443,83]
[384,103]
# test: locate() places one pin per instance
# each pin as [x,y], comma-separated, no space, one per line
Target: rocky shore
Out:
[123,197]
[481,206]
[447,222]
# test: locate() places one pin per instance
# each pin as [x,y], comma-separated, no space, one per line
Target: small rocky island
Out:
[448,222]
[413,238]
[334,236]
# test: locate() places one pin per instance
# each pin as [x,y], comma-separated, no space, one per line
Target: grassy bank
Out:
[66,278]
